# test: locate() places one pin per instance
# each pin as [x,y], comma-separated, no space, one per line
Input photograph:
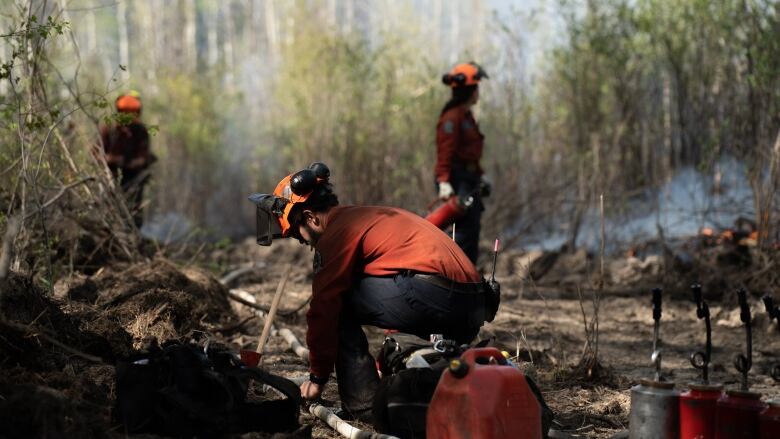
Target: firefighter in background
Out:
[459,146]
[378,266]
[126,148]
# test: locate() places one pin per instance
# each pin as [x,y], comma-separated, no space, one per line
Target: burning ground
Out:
[57,351]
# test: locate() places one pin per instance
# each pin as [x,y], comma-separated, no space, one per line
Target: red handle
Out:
[471,356]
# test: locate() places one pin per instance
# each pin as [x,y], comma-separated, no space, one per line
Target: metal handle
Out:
[656,304]
[696,289]
[744,308]
[771,309]
[701,360]
[743,363]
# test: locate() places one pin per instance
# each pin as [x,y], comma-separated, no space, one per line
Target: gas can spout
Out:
[743,363]
[701,360]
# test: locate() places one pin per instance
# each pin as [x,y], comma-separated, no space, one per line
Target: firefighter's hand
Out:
[310,390]
[445,190]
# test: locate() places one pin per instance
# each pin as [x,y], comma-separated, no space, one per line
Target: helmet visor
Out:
[269,208]
[267,227]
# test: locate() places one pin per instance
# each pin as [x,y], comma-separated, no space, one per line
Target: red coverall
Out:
[371,262]
[127,149]
[459,145]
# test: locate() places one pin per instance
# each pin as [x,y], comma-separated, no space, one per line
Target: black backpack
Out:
[182,391]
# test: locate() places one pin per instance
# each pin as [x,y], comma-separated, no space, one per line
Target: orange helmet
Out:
[129,103]
[273,210]
[464,74]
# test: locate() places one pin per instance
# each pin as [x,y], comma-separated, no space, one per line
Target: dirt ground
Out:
[547,321]
[69,388]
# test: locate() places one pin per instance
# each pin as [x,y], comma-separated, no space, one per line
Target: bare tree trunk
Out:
[332,13]
[147,26]
[454,32]
[349,16]
[271,30]
[212,46]
[668,135]
[124,50]
[227,45]
[190,48]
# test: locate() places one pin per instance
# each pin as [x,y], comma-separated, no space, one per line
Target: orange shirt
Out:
[361,241]
[458,140]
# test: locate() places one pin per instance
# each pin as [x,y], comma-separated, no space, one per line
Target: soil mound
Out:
[56,404]
[33,319]
[159,301]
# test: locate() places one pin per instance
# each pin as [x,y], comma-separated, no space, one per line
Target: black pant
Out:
[404,303]
[466,184]
[132,183]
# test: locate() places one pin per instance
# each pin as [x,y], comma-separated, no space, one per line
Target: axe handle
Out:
[272,312]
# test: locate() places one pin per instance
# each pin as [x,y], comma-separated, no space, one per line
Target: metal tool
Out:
[701,360]
[655,357]
[743,363]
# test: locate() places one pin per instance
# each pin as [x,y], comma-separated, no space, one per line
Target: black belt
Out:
[451,285]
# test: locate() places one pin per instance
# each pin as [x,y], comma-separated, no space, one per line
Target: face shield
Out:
[269,209]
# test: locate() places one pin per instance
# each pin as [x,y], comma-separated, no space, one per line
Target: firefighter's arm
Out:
[333,280]
[447,136]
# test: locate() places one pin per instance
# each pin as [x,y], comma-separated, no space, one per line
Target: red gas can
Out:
[698,410]
[483,396]
[449,212]
[769,421]
[737,415]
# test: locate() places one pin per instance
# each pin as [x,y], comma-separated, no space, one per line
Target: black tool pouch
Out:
[492,299]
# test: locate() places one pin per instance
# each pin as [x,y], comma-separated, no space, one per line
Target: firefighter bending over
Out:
[126,147]
[378,266]
[459,146]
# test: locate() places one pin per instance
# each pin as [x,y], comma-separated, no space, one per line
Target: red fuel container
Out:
[769,421]
[698,410]
[449,212]
[483,396]
[737,415]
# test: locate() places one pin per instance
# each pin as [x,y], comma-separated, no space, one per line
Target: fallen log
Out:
[297,347]
[342,426]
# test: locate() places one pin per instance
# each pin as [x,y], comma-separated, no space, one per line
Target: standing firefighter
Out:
[126,147]
[378,266]
[459,146]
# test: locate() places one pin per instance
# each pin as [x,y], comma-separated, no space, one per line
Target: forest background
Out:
[585,98]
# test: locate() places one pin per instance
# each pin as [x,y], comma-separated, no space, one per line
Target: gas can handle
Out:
[471,356]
